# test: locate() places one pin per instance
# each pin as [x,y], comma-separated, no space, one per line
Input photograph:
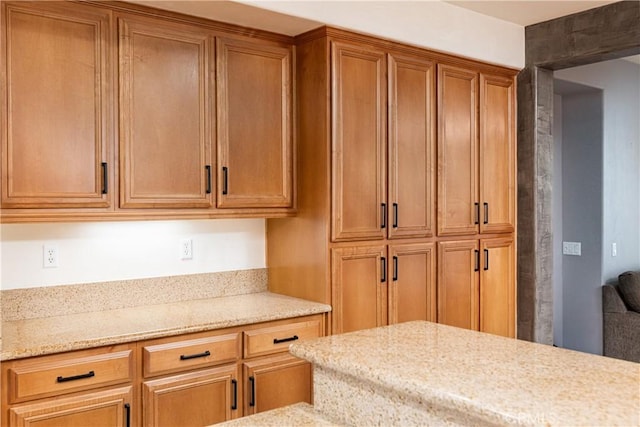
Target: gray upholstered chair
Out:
[621,328]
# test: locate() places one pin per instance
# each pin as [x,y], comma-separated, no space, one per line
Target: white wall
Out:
[433,24]
[104,251]
[620,81]
[556,214]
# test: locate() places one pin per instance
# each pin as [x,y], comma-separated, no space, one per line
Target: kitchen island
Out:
[422,373]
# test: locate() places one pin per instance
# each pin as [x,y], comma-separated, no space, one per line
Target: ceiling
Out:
[527,12]
[520,12]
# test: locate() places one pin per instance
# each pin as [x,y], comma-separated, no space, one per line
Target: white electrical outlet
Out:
[49,256]
[186,249]
[614,249]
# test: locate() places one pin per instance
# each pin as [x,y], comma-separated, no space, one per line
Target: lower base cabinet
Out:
[277,381]
[476,285]
[381,284]
[190,380]
[194,399]
[110,408]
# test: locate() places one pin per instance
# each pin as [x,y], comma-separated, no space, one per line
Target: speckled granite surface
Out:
[299,415]
[32,337]
[475,378]
[48,301]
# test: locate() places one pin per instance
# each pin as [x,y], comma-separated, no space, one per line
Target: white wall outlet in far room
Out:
[572,248]
[49,256]
[614,249]
[186,249]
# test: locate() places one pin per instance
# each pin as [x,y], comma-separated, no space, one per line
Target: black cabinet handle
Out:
[278,341]
[486,213]
[225,180]
[384,269]
[252,399]
[76,377]
[477,267]
[234,405]
[105,178]
[207,169]
[195,356]
[395,215]
[383,207]
[395,268]
[477,219]
[486,259]
[127,410]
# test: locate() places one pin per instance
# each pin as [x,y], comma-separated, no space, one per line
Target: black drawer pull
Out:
[207,169]
[195,356]
[76,377]
[383,208]
[486,259]
[278,341]
[477,254]
[225,180]
[252,400]
[234,405]
[477,213]
[395,215]
[395,268]
[105,178]
[486,213]
[127,409]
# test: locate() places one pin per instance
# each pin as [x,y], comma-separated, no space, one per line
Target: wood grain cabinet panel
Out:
[458,267]
[457,151]
[56,80]
[255,124]
[498,287]
[110,408]
[197,398]
[165,135]
[411,147]
[359,294]
[276,381]
[497,154]
[476,285]
[412,286]
[359,210]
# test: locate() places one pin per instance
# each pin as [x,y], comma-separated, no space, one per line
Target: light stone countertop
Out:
[298,415]
[47,335]
[493,380]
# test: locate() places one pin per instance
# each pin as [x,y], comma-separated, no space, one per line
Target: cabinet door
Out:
[165,142]
[458,267]
[359,291]
[358,154]
[194,399]
[497,154]
[411,147]
[55,119]
[412,289]
[497,287]
[275,382]
[255,142]
[458,206]
[111,408]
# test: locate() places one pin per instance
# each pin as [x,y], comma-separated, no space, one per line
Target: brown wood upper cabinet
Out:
[476,152]
[255,128]
[165,135]
[55,116]
[365,107]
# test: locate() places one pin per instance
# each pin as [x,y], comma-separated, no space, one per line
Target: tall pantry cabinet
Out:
[371,227]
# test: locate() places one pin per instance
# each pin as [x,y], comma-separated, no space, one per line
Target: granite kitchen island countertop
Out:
[56,334]
[422,373]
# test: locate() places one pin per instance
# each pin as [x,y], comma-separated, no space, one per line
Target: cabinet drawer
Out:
[47,377]
[278,338]
[190,354]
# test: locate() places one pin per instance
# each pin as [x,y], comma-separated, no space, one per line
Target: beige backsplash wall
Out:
[48,301]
